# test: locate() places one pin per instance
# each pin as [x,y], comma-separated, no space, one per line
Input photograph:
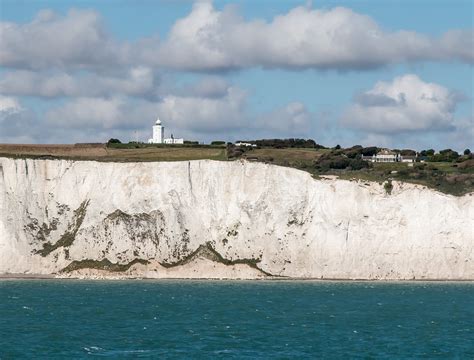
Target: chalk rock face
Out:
[211,219]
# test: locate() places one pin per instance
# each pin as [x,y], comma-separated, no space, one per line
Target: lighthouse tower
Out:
[158,132]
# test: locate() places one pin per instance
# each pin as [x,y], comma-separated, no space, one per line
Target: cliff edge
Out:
[220,219]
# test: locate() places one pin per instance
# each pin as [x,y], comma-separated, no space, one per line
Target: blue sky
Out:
[303,76]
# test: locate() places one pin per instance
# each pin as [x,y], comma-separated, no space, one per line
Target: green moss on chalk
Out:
[208,252]
[104,264]
[69,236]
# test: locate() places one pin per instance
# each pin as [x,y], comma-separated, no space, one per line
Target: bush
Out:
[369,151]
[353,152]
[340,162]
[218,143]
[234,151]
[285,143]
[429,152]
[358,164]
[388,186]
[408,152]
[446,155]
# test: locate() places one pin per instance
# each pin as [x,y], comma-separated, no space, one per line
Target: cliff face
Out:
[224,219]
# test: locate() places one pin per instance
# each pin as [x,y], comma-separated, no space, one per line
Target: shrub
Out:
[285,143]
[358,164]
[388,186]
[429,152]
[446,155]
[369,151]
[218,143]
[407,152]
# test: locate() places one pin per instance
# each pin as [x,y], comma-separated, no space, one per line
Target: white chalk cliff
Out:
[211,219]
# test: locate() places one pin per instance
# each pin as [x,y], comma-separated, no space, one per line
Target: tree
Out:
[114,141]
[407,152]
[467,152]
[369,151]
[337,147]
[429,152]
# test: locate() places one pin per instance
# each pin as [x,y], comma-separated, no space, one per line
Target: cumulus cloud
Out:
[14,120]
[405,104]
[76,40]
[192,114]
[210,87]
[138,81]
[208,39]
[9,105]
[463,136]
[339,38]
[294,119]
[206,114]
[102,113]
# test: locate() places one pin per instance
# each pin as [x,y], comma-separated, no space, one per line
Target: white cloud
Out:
[210,87]
[9,104]
[206,114]
[339,38]
[138,81]
[16,122]
[75,40]
[209,40]
[294,119]
[86,112]
[102,113]
[192,114]
[403,105]
[463,136]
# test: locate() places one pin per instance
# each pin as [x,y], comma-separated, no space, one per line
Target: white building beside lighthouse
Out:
[159,135]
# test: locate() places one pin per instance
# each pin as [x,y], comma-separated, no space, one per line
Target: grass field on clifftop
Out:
[99,152]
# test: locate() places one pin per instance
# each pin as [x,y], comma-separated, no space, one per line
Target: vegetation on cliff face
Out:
[69,236]
[103,264]
[207,251]
[204,251]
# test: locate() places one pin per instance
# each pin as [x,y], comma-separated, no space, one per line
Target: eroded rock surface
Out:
[210,219]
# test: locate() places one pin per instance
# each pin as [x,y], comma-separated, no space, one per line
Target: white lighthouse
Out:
[159,135]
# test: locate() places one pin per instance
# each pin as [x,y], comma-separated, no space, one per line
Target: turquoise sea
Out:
[74,319]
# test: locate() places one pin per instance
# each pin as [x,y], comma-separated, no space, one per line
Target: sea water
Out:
[73,319]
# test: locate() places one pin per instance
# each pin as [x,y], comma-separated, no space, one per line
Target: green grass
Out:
[116,153]
[444,177]
[300,158]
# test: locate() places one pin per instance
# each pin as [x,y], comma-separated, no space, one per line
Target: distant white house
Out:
[159,135]
[388,156]
[407,158]
[385,156]
[245,144]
